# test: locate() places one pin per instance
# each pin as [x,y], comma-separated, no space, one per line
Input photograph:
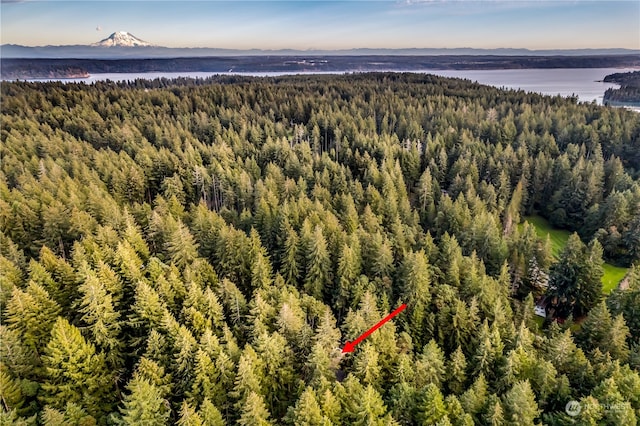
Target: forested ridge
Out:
[197,252]
[629,91]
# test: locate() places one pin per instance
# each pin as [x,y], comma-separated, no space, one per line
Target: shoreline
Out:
[566,82]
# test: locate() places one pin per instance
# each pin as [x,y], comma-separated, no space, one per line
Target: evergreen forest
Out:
[198,252]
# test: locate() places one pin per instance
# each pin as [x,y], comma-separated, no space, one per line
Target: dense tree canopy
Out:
[196,252]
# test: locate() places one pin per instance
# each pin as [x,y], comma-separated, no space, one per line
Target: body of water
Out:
[586,83]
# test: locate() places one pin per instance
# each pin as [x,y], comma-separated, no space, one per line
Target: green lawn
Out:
[558,237]
[612,274]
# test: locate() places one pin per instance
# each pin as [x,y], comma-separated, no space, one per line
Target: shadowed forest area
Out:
[197,252]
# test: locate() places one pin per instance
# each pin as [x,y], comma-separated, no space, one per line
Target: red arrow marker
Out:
[350,346]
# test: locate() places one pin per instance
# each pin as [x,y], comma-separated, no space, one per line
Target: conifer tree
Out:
[148,309]
[324,357]
[248,377]
[520,405]
[278,380]
[329,402]
[432,408]
[290,258]
[254,412]
[455,412]
[366,406]
[495,413]
[210,414]
[10,391]
[349,214]
[415,293]
[430,366]
[318,273]
[32,314]
[348,272]
[379,256]
[403,403]
[608,334]
[17,361]
[144,404]
[189,416]
[456,372]
[73,414]
[11,277]
[474,399]
[102,319]
[64,288]
[155,374]
[74,372]
[307,411]
[608,394]
[591,285]
[427,196]
[202,309]
[206,382]
[366,366]
[575,281]
[181,247]
[261,266]
[591,412]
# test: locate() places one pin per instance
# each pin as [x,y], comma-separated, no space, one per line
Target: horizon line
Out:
[323,49]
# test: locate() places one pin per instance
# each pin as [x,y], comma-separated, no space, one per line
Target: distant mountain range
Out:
[122,44]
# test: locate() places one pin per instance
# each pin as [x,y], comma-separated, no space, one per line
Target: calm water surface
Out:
[583,82]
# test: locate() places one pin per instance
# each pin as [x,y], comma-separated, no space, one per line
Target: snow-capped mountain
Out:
[122,39]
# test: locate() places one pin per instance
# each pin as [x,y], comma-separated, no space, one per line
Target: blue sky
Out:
[266,24]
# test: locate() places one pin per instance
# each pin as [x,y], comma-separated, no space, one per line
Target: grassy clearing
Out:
[558,237]
[612,274]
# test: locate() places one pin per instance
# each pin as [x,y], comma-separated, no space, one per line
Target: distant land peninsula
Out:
[34,68]
[629,92]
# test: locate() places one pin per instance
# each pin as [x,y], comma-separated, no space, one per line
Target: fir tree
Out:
[189,416]
[210,414]
[144,404]
[318,274]
[102,319]
[520,405]
[254,412]
[307,411]
[456,372]
[32,315]
[75,373]
[432,407]
[575,281]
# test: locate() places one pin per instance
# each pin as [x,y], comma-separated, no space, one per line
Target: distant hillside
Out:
[43,68]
